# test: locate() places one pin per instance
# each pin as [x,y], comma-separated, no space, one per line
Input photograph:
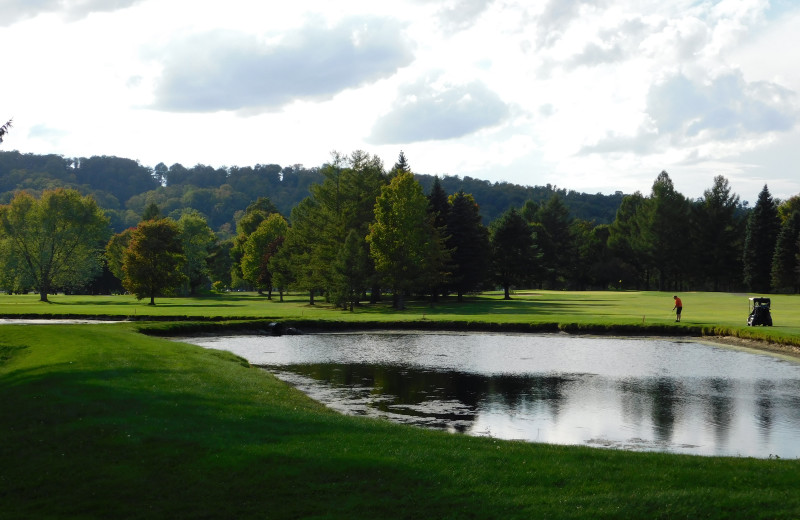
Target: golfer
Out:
[678,307]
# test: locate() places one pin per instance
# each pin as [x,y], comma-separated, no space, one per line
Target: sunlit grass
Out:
[724,313]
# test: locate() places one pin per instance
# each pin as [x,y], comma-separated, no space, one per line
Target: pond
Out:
[636,394]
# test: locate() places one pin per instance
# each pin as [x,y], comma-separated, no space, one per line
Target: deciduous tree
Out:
[261,246]
[153,263]
[197,240]
[403,241]
[55,241]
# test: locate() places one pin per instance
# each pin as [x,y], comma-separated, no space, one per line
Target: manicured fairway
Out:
[103,422]
[712,313]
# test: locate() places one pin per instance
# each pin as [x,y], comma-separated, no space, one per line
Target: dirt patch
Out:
[789,350]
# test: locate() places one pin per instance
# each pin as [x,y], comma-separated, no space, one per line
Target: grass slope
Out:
[102,422]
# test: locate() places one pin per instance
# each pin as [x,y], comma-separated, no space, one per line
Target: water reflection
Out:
[631,394]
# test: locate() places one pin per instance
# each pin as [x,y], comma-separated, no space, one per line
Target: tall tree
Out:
[626,244]
[403,242]
[153,262]
[197,240]
[664,225]
[55,241]
[256,213]
[513,251]
[761,235]
[350,271]
[554,241]
[262,244]
[438,204]
[785,267]
[716,233]
[401,166]
[468,243]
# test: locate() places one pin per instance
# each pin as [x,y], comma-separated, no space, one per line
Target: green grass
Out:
[102,422]
[590,311]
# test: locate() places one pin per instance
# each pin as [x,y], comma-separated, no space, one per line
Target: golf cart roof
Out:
[758,299]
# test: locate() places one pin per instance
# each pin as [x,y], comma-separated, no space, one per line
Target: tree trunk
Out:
[152,299]
[311,297]
[507,294]
[43,295]
[460,296]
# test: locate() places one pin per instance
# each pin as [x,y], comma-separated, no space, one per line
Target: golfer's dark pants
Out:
[678,310]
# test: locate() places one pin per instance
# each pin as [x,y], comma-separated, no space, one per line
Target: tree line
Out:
[124,188]
[365,233]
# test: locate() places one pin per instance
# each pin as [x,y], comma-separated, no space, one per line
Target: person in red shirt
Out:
[678,307]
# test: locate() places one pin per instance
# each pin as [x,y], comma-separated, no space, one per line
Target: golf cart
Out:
[759,312]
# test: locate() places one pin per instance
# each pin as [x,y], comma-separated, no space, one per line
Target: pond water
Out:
[637,394]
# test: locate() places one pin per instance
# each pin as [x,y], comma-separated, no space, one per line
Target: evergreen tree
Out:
[717,238]
[554,241]
[401,166]
[761,235]
[785,267]
[438,204]
[664,223]
[468,243]
[152,212]
[626,244]
[513,251]
[350,271]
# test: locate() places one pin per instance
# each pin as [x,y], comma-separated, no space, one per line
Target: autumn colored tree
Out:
[261,246]
[153,262]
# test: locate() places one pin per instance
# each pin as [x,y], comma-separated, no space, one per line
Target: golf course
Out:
[114,420]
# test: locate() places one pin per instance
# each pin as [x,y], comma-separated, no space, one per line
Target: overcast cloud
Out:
[590,95]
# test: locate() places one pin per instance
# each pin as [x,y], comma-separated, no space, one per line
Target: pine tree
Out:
[761,235]
[513,252]
[716,234]
[468,243]
[785,274]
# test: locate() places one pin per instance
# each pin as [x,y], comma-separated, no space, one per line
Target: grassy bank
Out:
[623,312]
[102,422]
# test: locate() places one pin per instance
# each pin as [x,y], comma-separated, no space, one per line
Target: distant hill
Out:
[123,187]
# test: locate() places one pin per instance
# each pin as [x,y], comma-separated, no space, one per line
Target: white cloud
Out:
[16,10]
[226,70]
[424,112]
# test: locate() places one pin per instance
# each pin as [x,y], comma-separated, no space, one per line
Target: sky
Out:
[595,96]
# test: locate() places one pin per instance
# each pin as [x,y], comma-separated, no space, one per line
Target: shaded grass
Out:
[101,422]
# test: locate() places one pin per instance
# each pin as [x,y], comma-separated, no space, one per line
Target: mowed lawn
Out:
[99,421]
[602,308]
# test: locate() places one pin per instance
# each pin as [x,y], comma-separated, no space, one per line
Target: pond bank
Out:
[721,335]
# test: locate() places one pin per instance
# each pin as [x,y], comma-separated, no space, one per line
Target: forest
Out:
[353,230]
